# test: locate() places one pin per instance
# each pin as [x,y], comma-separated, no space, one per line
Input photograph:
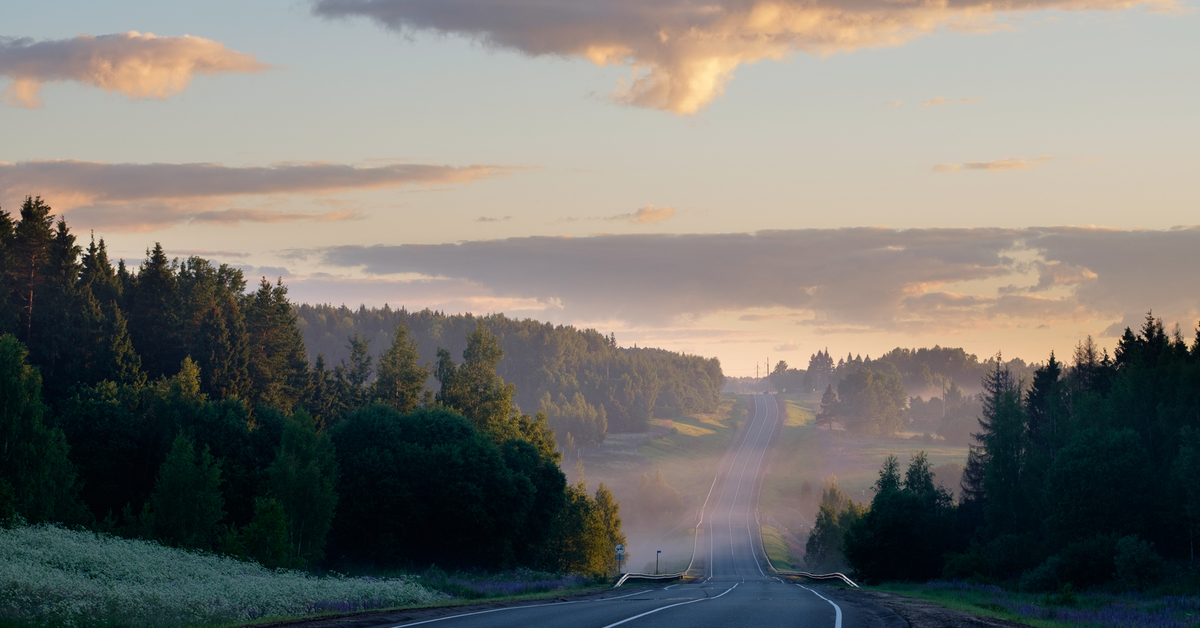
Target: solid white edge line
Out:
[703,599]
[514,608]
[837,622]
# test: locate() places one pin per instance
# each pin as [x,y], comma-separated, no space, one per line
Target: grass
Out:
[777,550]
[804,452]
[687,450]
[51,576]
[1090,610]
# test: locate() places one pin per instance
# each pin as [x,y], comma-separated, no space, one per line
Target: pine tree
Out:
[475,390]
[401,380]
[278,364]
[8,317]
[98,274]
[154,315]
[31,250]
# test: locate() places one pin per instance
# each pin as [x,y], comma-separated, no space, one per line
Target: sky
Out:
[747,179]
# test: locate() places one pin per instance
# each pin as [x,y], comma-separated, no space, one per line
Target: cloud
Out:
[682,54]
[787,346]
[647,215]
[492,219]
[143,197]
[841,280]
[939,101]
[135,64]
[894,104]
[999,165]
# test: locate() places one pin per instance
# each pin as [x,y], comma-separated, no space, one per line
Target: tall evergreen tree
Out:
[401,380]
[187,502]
[278,366]
[35,472]
[154,316]
[30,253]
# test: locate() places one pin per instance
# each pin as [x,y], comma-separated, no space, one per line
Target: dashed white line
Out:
[702,599]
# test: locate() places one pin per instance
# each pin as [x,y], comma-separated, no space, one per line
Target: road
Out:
[731,584]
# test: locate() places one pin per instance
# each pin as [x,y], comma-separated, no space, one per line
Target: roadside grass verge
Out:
[687,449]
[51,576]
[1060,610]
[777,551]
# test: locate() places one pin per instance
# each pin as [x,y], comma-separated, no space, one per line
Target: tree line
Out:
[1083,474]
[169,402]
[629,385]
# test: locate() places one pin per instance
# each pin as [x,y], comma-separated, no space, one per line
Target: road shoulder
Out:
[392,617]
[919,613]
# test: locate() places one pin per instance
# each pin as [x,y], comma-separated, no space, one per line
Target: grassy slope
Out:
[687,450]
[805,452]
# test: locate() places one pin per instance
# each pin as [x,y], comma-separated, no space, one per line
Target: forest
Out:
[627,385]
[168,401]
[875,396]
[1082,475]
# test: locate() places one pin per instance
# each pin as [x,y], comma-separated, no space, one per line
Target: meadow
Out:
[804,452]
[1065,609]
[687,450]
[52,576]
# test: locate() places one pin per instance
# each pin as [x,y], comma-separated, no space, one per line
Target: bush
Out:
[1088,562]
[1137,564]
[1042,578]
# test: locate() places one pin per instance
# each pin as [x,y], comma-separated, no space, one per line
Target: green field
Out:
[687,449]
[804,452]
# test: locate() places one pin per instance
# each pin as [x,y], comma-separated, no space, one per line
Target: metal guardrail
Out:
[648,576]
[802,574]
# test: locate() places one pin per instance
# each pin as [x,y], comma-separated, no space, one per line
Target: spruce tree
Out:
[401,380]
[154,316]
[187,502]
[31,250]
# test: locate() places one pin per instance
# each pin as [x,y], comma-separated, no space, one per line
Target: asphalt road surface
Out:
[731,584]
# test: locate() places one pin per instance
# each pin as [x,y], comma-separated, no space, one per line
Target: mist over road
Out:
[731,584]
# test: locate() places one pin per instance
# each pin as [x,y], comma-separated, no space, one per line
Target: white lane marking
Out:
[515,608]
[757,468]
[674,585]
[742,476]
[703,599]
[494,610]
[712,567]
[837,622]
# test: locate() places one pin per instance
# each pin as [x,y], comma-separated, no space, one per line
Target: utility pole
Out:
[656,562]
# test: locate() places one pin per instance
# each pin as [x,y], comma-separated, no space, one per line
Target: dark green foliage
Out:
[266,539]
[38,479]
[632,385]
[903,534]
[401,380]
[187,503]
[824,552]
[194,417]
[870,401]
[303,480]
[427,487]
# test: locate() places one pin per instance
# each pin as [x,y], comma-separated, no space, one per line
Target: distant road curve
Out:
[732,585]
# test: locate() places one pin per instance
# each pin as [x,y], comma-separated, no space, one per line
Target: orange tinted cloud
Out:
[135,64]
[682,54]
[999,165]
[144,197]
[647,215]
